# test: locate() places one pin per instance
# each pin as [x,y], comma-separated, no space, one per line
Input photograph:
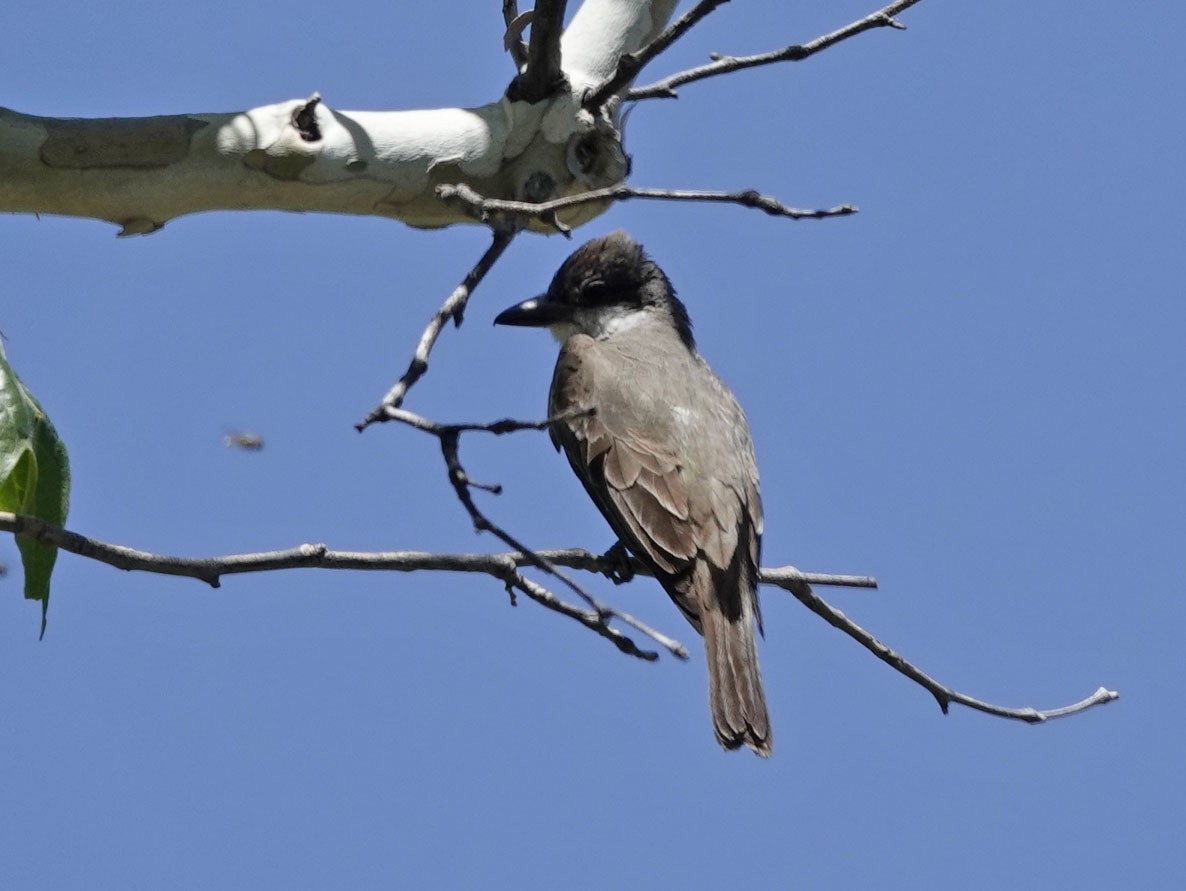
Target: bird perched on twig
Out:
[665,452]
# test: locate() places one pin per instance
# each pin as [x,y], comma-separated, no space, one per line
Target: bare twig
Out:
[665,89]
[591,619]
[318,556]
[788,577]
[453,308]
[512,41]
[504,567]
[462,195]
[449,437]
[944,695]
[544,75]
[631,63]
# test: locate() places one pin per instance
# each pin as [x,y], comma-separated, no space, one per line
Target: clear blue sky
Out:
[972,390]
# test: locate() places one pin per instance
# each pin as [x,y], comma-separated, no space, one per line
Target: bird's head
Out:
[606,285]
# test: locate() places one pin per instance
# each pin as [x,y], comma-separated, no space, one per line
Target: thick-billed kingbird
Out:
[665,452]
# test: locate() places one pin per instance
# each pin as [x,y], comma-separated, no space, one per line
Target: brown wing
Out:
[636,486]
[677,481]
[659,507]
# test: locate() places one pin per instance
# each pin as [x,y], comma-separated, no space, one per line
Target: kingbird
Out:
[664,451]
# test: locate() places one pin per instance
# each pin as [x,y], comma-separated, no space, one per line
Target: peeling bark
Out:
[302,155]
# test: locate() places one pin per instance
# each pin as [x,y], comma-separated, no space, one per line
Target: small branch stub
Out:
[304,119]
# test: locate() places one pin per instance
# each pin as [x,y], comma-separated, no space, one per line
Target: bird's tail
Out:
[735,692]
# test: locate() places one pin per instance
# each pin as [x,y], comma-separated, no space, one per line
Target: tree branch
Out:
[449,436]
[512,40]
[544,76]
[788,578]
[481,207]
[507,217]
[299,155]
[318,556]
[665,89]
[505,567]
[303,155]
[631,63]
[943,694]
[453,308]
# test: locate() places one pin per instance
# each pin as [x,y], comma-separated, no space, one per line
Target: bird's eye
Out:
[593,291]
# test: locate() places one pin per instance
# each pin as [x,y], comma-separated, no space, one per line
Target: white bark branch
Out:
[303,155]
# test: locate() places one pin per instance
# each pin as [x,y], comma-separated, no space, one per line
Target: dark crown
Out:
[614,270]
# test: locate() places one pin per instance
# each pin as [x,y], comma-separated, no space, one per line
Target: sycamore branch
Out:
[303,155]
[550,136]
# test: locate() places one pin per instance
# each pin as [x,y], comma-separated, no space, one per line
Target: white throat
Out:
[601,322]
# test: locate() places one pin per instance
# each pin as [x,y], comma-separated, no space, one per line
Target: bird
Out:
[665,453]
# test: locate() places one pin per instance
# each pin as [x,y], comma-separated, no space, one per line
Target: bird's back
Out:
[664,450]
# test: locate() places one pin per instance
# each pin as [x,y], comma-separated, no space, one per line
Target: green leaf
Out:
[34,477]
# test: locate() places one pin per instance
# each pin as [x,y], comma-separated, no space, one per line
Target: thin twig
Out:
[591,619]
[544,74]
[631,63]
[453,308]
[943,694]
[449,436]
[512,41]
[665,89]
[463,196]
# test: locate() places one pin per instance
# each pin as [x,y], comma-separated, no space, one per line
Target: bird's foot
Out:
[616,564]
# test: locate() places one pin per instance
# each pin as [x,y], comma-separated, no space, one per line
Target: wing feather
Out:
[643,490]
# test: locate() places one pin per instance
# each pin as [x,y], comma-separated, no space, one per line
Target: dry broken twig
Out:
[481,207]
[512,40]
